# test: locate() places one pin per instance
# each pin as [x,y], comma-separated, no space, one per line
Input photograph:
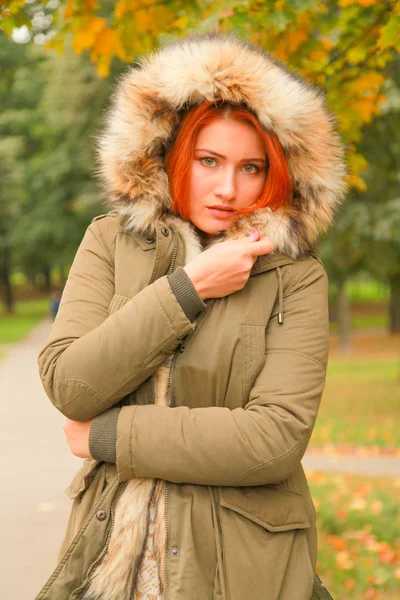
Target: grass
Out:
[360,404]
[27,314]
[367,291]
[358,522]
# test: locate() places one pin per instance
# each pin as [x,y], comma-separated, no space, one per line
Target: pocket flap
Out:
[272,508]
[83,478]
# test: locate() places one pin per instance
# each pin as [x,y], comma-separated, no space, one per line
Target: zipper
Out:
[166,542]
[171,387]
[175,250]
[170,403]
[105,549]
[153,390]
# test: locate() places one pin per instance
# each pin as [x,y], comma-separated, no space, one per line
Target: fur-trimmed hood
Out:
[147,109]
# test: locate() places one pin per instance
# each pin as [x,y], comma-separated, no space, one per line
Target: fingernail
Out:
[254,234]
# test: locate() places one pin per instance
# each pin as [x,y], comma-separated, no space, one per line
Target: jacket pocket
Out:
[85,489]
[253,356]
[83,478]
[264,544]
[272,508]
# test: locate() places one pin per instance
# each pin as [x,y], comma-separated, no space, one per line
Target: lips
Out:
[221,207]
[220,212]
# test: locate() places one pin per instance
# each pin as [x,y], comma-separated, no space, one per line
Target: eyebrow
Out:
[260,160]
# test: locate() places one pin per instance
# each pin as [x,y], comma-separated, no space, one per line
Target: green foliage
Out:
[52,106]
[27,314]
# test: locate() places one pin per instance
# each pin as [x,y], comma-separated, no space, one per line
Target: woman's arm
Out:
[262,443]
[92,360]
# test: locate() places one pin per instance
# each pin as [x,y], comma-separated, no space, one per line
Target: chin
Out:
[213,228]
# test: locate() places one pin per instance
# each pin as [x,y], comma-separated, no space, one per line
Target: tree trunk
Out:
[344,319]
[62,274]
[5,281]
[394,306]
[47,278]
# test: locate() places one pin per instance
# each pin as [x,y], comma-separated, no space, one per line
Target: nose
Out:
[226,186]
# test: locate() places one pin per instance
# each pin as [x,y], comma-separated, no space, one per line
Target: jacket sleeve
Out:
[256,445]
[92,360]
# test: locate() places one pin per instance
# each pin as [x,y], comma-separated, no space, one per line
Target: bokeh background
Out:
[58,65]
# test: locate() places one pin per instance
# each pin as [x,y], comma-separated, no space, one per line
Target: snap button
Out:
[175,552]
[165,231]
[150,240]
[101,515]
[182,348]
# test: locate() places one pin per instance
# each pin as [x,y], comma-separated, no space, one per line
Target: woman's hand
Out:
[225,267]
[77,435]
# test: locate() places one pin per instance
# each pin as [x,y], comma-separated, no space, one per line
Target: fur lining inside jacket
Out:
[146,111]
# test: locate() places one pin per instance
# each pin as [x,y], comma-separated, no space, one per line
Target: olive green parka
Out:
[214,401]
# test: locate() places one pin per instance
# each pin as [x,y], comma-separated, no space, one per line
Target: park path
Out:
[36,466]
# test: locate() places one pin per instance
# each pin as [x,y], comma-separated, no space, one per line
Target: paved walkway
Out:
[371,466]
[36,466]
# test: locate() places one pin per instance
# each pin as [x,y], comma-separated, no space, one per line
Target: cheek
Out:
[251,190]
[198,187]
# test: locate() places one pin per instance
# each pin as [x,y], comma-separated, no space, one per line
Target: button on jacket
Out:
[204,409]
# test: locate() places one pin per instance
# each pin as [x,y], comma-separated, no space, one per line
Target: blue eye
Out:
[208,161]
[252,169]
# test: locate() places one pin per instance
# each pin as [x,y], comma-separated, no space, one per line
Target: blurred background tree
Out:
[347,47]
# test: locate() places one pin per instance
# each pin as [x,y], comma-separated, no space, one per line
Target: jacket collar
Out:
[146,112]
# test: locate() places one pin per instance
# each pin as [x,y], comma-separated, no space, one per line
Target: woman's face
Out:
[228,173]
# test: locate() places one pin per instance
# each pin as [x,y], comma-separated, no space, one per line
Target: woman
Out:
[190,348]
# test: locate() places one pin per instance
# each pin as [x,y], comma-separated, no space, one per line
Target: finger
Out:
[263,246]
[255,235]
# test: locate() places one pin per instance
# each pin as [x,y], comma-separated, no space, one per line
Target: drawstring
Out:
[218,545]
[280,294]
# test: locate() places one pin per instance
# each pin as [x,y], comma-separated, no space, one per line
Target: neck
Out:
[205,238]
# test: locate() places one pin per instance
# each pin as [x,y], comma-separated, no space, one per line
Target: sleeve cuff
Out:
[185,293]
[103,436]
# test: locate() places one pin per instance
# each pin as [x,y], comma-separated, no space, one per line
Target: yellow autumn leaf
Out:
[365,3]
[327,44]
[90,5]
[86,36]
[357,54]
[296,38]
[15,6]
[281,51]
[182,22]
[121,8]
[161,18]
[357,163]
[56,44]
[69,10]
[369,81]
[103,68]
[107,45]
[366,109]
[356,182]
[144,20]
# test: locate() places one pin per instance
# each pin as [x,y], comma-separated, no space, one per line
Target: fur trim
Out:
[116,575]
[146,112]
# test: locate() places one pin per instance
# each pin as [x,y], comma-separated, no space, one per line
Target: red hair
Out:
[178,161]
